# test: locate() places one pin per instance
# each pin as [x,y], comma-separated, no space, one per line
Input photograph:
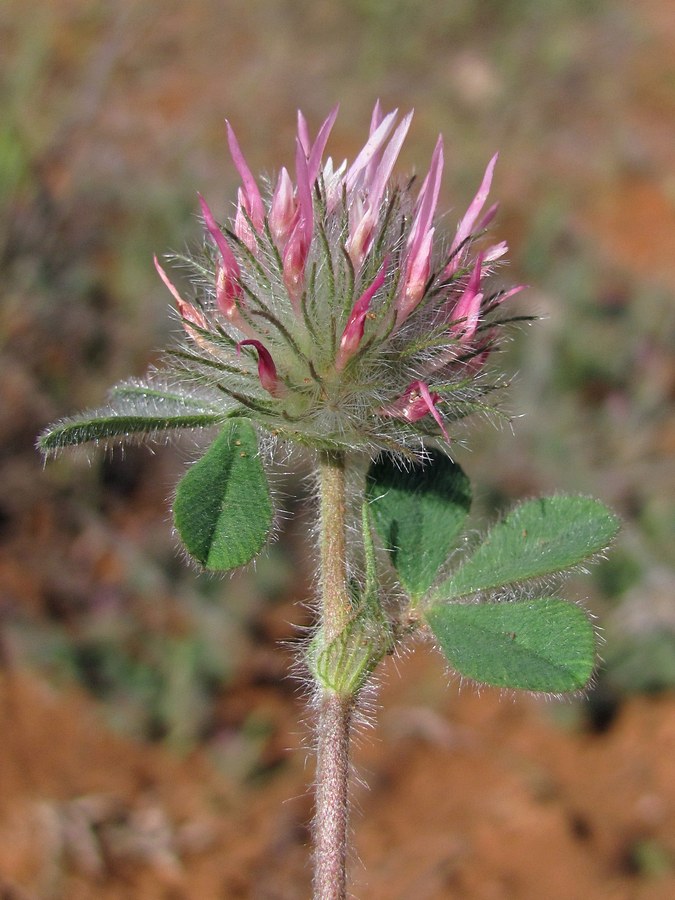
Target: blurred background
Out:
[153,744]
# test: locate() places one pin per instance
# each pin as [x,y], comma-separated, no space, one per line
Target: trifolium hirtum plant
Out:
[331,312]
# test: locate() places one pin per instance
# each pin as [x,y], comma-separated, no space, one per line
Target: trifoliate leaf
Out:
[223,510]
[543,645]
[538,538]
[418,512]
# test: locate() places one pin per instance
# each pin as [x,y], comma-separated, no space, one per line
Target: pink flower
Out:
[287,268]
[315,151]
[228,288]
[418,267]
[420,239]
[465,227]
[282,210]
[295,257]
[353,333]
[466,313]
[250,206]
[187,312]
[267,371]
[416,402]
[369,175]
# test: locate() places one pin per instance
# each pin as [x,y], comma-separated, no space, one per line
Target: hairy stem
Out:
[335,603]
[332,781]
[335,710]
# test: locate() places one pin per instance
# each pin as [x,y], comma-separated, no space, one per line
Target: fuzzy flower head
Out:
[329,309]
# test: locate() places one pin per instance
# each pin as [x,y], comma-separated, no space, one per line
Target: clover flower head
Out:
[328,310]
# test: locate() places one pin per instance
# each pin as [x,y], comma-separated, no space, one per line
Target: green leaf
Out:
[369,595]
[534,645]
[538,538]
[418,512]
[223,510]
[103,427]
[136,408]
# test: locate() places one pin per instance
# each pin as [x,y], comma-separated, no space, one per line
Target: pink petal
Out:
[186,310]
[418,268]
[430,401]
[228,289]
[471,318]
[165,278]
[381,176]
[227,295]
[295,257]
[375,121]
[371,147]
[511,292]
[218,237]
[319,146]
[305,203]
[415,403]
[467,310]
[488,217]
[376,116]
[303,133]
[267,371]
[492,254]
[361,229]
[333,180]
[282,209]
[428,199]
[242,227]
[255,209]
[299,241]
[353,333]
[361,235]
[465,227]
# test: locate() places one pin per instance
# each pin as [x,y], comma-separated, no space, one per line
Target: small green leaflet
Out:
[538,538]
[545,645]
[418,512]
[223,510]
